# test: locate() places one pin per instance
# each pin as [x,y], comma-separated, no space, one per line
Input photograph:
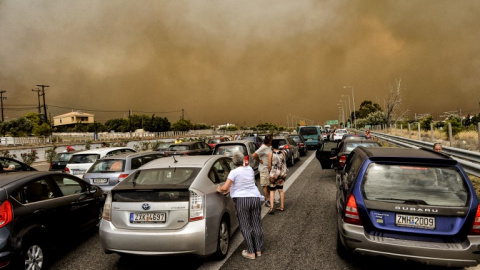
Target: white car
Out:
[338,134]
[81,161]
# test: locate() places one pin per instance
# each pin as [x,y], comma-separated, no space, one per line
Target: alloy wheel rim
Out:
[34,258]
[223,238]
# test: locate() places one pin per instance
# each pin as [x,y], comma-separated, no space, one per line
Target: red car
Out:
[212,142]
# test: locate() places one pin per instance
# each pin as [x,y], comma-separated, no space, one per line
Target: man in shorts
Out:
[262,156]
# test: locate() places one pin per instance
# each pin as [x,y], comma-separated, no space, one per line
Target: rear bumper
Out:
[187,240]
[463,254]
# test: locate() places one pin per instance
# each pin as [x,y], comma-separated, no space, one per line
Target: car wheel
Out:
[223,241]
[32,256]
[292,160]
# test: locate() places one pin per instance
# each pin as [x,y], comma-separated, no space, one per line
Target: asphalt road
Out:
[302,237]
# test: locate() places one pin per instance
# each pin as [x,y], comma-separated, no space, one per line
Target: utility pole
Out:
[183,113]
[1,100]
[38,93]
[43,86]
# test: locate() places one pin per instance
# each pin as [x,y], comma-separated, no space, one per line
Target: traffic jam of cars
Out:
[407,204]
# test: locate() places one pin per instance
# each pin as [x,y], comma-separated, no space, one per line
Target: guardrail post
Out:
[419,132]
[431,132]
[401,129]
[478,133]
[409,136]
[450,134]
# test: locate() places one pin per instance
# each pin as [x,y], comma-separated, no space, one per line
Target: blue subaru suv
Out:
[408,204]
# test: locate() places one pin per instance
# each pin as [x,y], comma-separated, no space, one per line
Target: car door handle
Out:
[39,211]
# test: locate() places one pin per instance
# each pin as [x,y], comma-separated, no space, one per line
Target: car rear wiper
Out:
[408,201]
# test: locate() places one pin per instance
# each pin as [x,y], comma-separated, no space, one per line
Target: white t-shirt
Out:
[262,153]
[243,185]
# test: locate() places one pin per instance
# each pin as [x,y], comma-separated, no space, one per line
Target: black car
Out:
[13,165]
[288,145]
[189,148]
[302,144]
[40,211]
[346,146]
[60,161]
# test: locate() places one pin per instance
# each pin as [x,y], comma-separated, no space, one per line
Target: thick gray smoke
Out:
[241,62]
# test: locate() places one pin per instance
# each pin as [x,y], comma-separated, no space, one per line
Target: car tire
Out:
[223,240]
[32,255]
[291,161]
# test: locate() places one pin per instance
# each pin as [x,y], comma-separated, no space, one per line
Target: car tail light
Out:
[122,177]
[5,213]
[476,223]
[286,146]
[196,206]
[342,160]
[107,207]
[67,170]
[50,165]
[246,160]
[351,212]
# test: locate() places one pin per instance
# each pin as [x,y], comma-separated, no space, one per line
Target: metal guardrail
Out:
[470,160]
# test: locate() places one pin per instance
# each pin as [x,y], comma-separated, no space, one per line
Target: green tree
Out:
[456,125]
[425,123]
[34,118]
[157,124]
[375,118]
[118,125]
[182,125]
[367,107]
[42,130]
[96,127]
[20,127]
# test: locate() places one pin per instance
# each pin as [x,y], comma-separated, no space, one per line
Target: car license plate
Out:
[147,217]
[100,180]
[415,221]
[76,172]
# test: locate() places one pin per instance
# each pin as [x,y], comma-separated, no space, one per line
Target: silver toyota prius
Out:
[171,206]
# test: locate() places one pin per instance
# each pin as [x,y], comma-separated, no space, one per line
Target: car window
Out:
[308,131]
[163,176]
[84,158]
[69,185]
[38,190]
[136,162]
[107,165]
[222,170]
[63,157]
[351,169]
[229,149]
[178,147]
[438,186]
[350,146]
[10,165]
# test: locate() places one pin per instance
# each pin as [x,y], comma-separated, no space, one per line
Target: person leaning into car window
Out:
[241,184]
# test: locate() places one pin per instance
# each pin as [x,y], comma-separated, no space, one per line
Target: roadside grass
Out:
[476,183]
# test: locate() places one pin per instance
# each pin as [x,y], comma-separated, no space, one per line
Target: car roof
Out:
[359,140]
[410,155]
[131,155]
[102,150]
[234,142]
[185,143]
[180,161]
[22,176]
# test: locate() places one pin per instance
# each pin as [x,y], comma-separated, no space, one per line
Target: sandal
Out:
[280,209]
[271,211]
[245,255]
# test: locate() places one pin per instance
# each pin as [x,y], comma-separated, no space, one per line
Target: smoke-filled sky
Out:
[242,62]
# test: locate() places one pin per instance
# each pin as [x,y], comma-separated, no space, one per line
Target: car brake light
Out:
[351,212]
[196,206]
[122,176]
[107,207]
[247,160]
[476,223]
[5,213]
[286,146]
[342,160]
[50,165]
[67,170]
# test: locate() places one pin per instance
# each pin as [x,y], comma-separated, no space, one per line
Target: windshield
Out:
[179,148]
[63,157]
[228,150]
[163,176]
[108,165]
[437,186]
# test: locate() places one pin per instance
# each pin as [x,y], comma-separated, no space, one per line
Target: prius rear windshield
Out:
[229,149]
[436,186]
[84,158]
[163,176]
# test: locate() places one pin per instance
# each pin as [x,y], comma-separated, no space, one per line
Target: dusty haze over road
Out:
[242,62]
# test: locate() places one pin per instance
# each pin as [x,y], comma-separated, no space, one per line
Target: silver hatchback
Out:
[171,206]
[109,171]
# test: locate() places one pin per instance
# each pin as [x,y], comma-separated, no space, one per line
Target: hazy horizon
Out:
[241,62]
